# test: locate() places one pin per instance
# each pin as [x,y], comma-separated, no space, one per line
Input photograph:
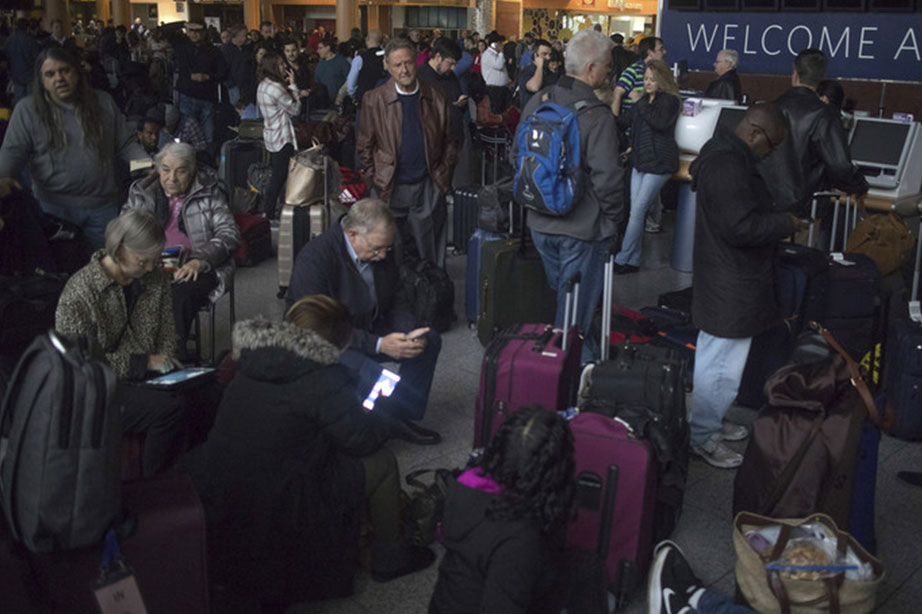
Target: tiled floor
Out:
[704,529]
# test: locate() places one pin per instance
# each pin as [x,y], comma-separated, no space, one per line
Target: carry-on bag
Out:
[525,364]
[430,292]
[472,271]
[513,287]
[236,157]
[644,386]
[805,565]
[59,446]
[312,176]
[255,239]
[464,216]
[163,547]
[298,224]
[616,476]
[804,450]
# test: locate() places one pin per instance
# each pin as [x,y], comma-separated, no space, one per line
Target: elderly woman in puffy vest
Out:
[193,210]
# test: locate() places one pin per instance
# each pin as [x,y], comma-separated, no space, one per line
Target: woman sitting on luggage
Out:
[279,101]
[122,300]
[187,201]
[502,520]
[291,461]
[654,153]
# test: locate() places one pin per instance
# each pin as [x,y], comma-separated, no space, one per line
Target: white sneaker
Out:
[716,453]
[733,432]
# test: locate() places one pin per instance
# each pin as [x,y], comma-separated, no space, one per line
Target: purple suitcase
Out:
[616,477]
[527,364]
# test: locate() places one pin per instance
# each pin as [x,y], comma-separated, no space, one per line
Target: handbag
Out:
[427,504]
[885,239]
[310,172]
[782,592]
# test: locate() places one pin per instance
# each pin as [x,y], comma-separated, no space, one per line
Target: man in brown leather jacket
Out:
[407,152]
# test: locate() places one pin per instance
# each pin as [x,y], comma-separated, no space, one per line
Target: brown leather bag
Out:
[803,452]
[885,239]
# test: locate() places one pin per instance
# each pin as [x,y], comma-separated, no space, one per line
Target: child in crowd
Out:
[502,520]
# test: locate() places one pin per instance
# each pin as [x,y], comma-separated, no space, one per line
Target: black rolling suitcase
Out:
[237,155]
[464,216]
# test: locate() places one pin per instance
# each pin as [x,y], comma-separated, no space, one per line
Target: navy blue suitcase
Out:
[903,378]
[801,284]
[472,275]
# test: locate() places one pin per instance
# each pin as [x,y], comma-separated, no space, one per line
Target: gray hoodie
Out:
[597,214]
[71,176]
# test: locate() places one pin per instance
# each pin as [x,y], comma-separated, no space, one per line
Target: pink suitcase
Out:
[616,477]
[524,365]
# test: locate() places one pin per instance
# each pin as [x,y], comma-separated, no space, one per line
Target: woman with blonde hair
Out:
[654,153]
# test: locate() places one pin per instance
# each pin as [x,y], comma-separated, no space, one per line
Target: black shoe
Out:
[417,559]
[414,433]
[623,269]
[913,478]
[672,581]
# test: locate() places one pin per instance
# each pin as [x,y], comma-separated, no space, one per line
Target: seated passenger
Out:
[500,524]
[122,300]
[291,461]
[193,211]
[353,262]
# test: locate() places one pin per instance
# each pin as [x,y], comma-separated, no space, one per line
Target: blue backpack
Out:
[548,171]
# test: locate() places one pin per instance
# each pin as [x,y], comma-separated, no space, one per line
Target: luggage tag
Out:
[116,589]
[839,258]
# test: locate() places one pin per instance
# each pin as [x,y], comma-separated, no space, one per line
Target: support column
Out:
[346,18]
[102,10]
[251,14]
[121,13]
[57,9]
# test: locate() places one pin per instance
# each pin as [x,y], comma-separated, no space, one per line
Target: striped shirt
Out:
[631,79]
[278,106]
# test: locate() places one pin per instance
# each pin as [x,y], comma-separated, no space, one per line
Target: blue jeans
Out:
[712,602]
[92,221]
[201,111]
[412,392]
[719,365]
[563,257]
[645,189]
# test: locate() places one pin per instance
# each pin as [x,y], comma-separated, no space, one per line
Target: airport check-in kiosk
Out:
[691,133]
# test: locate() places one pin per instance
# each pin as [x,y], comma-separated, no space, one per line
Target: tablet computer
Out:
[181,378]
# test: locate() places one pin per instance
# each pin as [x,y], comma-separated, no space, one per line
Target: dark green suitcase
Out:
[513,288]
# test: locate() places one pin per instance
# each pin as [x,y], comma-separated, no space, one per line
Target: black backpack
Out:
[431,292]
[60,446]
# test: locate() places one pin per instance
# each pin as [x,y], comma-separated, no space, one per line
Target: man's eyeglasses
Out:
[772,145]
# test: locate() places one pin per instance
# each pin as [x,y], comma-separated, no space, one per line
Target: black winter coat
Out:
[736,233]
[490,567]
[815,155]
[727,87]
[279,476]
[653,134]
[324,266]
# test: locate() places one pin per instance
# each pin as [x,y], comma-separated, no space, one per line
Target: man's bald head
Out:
[763,128]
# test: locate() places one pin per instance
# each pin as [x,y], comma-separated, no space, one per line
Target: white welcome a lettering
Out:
[765,50]
[702,34]
[905,46]
[862,42]
[826,40]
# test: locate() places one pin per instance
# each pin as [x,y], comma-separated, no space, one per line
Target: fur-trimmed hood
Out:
[279,351]
[260,333]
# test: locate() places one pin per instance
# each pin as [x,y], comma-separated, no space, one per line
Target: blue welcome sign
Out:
[858,45]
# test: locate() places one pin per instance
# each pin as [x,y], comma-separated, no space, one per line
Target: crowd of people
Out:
[290,428]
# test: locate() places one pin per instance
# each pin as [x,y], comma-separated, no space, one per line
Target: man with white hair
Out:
[727,84]
[579,241]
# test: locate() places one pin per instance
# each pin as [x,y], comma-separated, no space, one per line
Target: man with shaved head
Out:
[736,232]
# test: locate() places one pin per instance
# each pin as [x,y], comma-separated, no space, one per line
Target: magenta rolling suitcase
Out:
[616,476]
[527,364]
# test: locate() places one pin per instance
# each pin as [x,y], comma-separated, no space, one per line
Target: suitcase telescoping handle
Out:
[570,309]
[607,283]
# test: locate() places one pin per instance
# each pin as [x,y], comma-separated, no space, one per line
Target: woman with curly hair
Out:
[502,517]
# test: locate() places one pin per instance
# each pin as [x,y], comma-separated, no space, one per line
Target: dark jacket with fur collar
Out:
[280,476]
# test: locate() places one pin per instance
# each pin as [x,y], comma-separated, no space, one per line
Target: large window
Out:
[444,17]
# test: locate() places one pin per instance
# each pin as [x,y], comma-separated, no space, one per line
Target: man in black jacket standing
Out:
[354,263]
[727,84]
[734,299]
[816,155]
[439,71]
[201,69]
